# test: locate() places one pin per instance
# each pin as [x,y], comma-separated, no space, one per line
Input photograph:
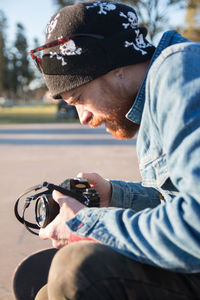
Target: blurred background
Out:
[22,27]
[41,139]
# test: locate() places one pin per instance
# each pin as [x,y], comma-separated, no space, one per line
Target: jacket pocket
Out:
[154,172]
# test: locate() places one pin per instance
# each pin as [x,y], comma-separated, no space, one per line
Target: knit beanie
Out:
[104,36]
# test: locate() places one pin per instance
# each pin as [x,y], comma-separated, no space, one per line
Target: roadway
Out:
[31,154]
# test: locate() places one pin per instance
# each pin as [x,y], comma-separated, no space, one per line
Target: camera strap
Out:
[28,200]
[50,187]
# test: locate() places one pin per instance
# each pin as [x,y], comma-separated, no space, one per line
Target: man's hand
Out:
[101,185]
[57,231]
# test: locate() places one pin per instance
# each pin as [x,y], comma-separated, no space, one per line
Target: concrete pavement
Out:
[31,154]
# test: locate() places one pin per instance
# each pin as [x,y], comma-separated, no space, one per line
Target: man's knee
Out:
[72,269]
[42,294]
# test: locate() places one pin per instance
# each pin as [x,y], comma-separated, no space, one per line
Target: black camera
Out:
[46,209]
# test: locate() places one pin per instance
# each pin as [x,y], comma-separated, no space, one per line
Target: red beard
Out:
[120,128]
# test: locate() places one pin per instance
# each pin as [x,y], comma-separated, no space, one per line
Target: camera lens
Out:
[46,209]
[41,211]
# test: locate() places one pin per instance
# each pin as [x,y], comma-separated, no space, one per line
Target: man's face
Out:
[104,101]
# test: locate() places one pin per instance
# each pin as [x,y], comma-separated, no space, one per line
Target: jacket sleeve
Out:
[133,195]
[168,235]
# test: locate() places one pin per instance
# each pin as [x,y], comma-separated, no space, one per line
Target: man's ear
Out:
[119,73]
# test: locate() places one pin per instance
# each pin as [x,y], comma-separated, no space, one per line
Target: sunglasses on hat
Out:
[58,42]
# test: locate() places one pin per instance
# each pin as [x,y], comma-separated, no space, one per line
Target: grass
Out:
[30,114]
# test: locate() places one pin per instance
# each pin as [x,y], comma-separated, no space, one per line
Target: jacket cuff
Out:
[117,194]
[84,221]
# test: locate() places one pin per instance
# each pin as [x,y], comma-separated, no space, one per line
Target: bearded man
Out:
[144,240]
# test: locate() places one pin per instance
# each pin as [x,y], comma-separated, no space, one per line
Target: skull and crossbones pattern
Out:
[59,57]
[69,48]
[139,44]
[131,18]
[51,25]
[104,7]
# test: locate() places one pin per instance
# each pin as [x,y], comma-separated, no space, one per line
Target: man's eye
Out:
[72,102]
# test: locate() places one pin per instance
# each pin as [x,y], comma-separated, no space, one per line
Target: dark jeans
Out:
[87,270]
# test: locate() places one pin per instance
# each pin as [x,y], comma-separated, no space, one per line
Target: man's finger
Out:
[43,234]
[92,177]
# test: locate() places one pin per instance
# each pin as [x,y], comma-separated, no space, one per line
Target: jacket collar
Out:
[135,113]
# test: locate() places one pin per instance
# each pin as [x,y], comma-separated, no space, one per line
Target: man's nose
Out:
[85,115]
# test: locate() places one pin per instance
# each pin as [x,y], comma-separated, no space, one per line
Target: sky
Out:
[35,14]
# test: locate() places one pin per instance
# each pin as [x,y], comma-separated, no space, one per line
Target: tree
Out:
[38,79]
[62,3]
[152,13]
[192,31]
[21,73]
[3,56]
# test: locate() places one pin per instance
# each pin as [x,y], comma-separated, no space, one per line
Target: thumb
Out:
[71,204]
[57,196]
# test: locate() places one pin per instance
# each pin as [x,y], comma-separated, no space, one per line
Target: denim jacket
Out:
[163,233]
